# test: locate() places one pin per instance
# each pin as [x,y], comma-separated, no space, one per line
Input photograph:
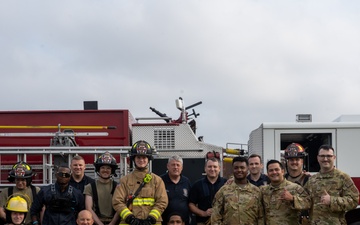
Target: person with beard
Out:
[203,191]
[282,199]
[141,197]
[294,158]
[61,200]
[239,202]
[98,195]
[177,187]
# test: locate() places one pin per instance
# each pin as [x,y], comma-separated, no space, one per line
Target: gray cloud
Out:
[248,61]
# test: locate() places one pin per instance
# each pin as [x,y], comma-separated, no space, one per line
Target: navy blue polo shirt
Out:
[263,180]
[178,195]
[202,193]
[81,185]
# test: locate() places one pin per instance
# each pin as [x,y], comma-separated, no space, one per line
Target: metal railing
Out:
[49,156]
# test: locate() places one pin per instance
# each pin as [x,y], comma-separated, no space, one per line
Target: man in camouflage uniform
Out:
[239,202]
[294,158]
[282,199]
[332,192]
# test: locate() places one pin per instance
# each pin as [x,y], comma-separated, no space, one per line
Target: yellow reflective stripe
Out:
[144,201]
[125,213]
[155,213]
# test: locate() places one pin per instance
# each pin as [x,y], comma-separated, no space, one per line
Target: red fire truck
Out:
[48,137]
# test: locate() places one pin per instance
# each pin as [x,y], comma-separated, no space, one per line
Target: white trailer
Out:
[270,139]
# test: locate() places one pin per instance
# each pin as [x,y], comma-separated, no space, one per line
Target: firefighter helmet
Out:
[108,160]
[141,148]
[21,170]
[17,204]
[294,150]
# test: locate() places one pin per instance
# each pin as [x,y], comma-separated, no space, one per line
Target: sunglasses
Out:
[64,175]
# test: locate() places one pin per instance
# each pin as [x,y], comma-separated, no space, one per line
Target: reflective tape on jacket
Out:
[143,201]
[155,213]
[125,213]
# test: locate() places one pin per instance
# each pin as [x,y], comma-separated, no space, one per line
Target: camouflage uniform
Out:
[344,196]
[237,205]
[301,180]
[281,211]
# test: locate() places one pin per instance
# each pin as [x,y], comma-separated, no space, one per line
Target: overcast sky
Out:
[249,62]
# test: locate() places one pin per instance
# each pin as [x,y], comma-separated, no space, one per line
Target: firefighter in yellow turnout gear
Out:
[141,197]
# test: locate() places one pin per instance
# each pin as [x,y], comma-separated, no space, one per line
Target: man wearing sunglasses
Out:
[332,191]
[61,200]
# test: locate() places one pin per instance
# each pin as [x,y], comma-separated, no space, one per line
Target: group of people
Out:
[286,195]
[287,198]
[139,198]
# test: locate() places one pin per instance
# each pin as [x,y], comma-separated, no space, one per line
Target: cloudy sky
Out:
[249,62]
